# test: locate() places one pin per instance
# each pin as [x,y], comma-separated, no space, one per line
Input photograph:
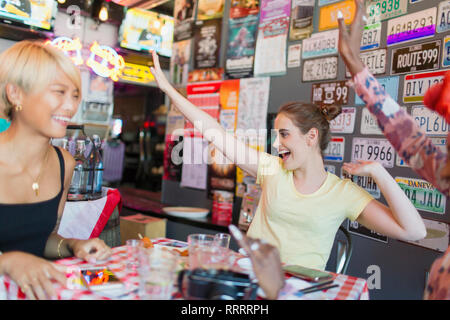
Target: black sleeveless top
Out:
[26,227]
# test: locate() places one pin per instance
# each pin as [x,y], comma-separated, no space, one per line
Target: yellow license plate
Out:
[328,14]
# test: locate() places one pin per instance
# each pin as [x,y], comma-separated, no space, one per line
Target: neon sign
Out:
[70,47]
[105,61]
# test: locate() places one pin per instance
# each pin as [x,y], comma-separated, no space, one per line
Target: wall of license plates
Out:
[406,45]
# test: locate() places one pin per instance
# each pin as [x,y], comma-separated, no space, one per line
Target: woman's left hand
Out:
[361,168]
[91,250]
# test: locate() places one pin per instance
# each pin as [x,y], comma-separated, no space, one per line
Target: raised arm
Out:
[411,142]
[400,220]
[234,149]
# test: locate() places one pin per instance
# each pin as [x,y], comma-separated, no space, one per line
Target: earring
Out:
[18,107]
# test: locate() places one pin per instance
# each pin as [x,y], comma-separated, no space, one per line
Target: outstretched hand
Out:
[361,168]
[160,78]
[349,43]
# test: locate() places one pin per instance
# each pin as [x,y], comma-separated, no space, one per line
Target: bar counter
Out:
[149,203]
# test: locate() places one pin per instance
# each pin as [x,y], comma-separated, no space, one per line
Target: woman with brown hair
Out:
[302,205]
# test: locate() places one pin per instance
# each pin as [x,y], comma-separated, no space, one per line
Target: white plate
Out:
[186,212]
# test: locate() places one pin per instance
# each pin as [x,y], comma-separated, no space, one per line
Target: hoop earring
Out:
[19,107]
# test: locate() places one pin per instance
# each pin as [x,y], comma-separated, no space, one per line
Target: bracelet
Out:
[59,248]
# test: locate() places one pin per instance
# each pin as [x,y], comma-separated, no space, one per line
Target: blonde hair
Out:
[31,66]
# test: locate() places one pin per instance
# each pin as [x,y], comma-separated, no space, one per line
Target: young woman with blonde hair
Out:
[40,90]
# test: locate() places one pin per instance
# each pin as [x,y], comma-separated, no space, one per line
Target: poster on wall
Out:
[272,33]
[179,62]
[242,31]
[210,9]
[301,25]
[221,172]
[206,97]
[207,43]
[183,14]
[194,171]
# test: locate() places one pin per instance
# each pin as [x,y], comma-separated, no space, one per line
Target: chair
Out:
[344,251]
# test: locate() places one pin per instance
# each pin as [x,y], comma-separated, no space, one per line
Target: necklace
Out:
[35,185]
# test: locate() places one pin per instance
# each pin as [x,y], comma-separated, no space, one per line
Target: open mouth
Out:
[284,154]
[62,120]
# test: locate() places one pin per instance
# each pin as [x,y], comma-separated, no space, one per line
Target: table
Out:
[350,288]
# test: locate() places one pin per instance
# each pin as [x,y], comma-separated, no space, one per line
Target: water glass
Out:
[205,252]
[133,247]
[157,273]
[222,240]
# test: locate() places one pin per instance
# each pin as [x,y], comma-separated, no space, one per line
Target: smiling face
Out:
[50,110]
[293,146]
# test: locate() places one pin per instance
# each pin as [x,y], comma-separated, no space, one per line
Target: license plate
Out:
[390,85]
[431,122]
[335,150]
[437,237]
[443,17]
[345,122]
[325,2]
[365,182]
[415,85]
[328,14]
[411,27]
[374,60]
[355,227]
[380,10]
[330,93]
[446,52]
[371,36]
[419,57]
[372,149]
[422,194]
[320,69]
[321,44]
[369,124]
[440,143]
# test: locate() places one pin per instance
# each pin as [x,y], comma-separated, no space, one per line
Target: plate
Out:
[186,212]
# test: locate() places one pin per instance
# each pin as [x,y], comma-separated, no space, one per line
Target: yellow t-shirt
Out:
[302,227]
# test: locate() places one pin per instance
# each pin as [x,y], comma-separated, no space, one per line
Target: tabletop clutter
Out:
[202,268]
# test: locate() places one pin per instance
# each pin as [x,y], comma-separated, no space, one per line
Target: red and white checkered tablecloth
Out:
[350,288]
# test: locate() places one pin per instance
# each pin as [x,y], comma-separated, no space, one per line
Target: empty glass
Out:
[157,273]
[133,246]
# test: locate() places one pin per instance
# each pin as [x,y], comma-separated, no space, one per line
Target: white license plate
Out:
[374,60]
[380,10]
[372,149]
[422,194]
[365,182]
[321,44]
[369,124]
[431,122]
[320,69]
[412,27]
[371,36]
[443,17]
[415,85]
[439,142]
[345,122]
[335,150]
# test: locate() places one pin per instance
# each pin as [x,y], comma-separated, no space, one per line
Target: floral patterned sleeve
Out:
[411,142]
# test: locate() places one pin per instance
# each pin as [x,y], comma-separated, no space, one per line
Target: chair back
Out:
[344,251]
